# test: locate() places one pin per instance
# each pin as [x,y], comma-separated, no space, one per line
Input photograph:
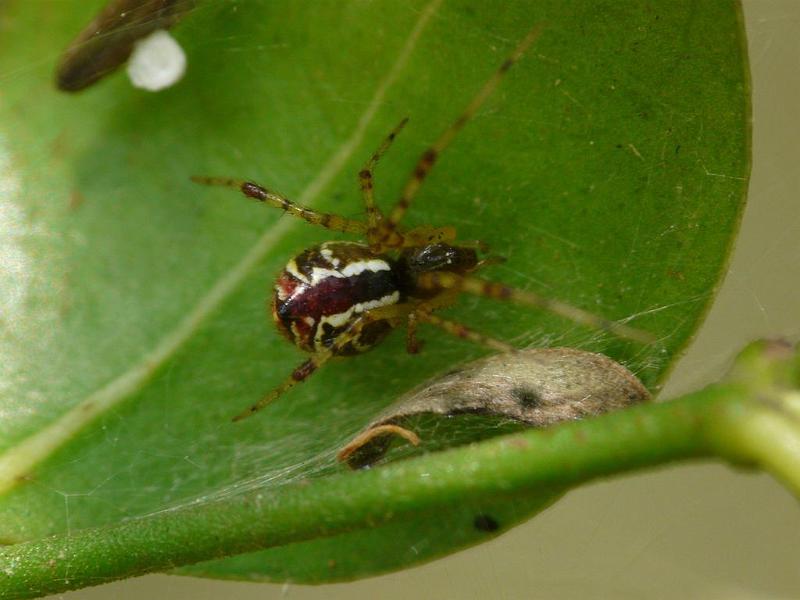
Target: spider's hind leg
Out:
[299,375]
[393,313]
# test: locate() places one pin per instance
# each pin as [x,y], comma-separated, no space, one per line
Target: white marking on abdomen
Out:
[385,301]
[341,319]
[359,266]
[327,254]
[291,268]
[351,270]
[318,274]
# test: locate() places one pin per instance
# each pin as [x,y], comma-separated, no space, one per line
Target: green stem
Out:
[559,457]
[768,434]
[764,430]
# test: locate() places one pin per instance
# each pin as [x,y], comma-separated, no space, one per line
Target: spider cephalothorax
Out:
[342,298]
[416,262]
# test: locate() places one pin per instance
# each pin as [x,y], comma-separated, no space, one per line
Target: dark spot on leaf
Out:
[484,522]
[527,397]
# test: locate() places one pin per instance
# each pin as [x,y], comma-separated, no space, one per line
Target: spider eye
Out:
[440,257]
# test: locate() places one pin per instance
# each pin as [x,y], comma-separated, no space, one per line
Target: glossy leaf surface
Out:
[609,168]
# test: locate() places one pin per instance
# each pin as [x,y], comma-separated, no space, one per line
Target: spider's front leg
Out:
[366,178]
[394,239]
[430,156]
[274,199]
[380,236]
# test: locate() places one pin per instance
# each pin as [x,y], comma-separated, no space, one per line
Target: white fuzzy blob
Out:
[157,62]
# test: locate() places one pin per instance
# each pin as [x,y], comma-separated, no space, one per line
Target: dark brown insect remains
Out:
[343,298]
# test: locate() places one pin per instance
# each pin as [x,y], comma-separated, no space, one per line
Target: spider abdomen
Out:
[324,290]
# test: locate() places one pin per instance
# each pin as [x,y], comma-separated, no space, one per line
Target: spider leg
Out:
[463,332]
[392,313]
[413,345]
[423,313]
[479,245]
[421,236]
[490,289]
[299,375]
[490,260]
[365,179]
[429,157]
[255,191]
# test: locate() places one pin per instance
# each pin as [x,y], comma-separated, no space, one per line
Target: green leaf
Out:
[610,168]
[380,548]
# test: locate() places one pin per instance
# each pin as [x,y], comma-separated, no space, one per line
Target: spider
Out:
[342,298]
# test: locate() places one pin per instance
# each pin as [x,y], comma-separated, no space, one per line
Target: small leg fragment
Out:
[413,345]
